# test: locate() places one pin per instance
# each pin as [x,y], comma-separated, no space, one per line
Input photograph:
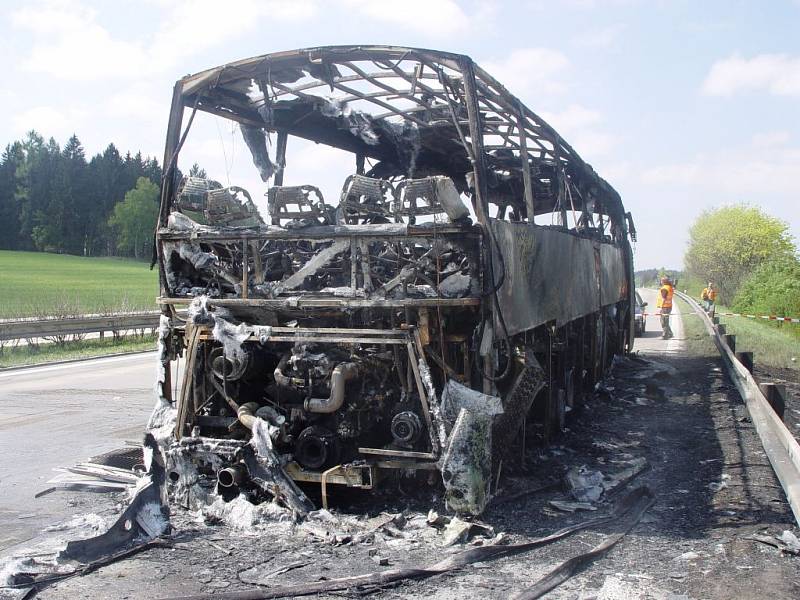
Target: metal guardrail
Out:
[82,324]
[781,447]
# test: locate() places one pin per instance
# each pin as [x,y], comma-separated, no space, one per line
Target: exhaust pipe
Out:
[342,373]
[234,475]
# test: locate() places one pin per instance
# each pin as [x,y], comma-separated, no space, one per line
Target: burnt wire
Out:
[387,65]
[571,203]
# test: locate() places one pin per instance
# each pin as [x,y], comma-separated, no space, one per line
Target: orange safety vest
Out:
[662,301]
[712,294]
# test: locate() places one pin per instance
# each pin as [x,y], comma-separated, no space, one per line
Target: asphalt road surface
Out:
[56,416]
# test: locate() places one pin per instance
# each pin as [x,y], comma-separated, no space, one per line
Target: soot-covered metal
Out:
[392,330]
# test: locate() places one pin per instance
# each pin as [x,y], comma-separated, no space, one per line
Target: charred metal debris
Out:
[408,326]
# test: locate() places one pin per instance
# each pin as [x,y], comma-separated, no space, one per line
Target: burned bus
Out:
[469,272]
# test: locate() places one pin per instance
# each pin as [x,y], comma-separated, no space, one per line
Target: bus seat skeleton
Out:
[406,325]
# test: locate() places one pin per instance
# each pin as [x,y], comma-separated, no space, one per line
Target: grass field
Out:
[46,353]
[39,284]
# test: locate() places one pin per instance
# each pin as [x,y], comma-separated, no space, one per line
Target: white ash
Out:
[456,285]
[242,515]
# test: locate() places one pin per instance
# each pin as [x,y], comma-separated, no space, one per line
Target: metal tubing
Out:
[234,475]
[342,373]
[247,414]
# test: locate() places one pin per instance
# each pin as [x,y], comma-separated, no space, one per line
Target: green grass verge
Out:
[771,346]
[44,353]
[43,284]
[698,342]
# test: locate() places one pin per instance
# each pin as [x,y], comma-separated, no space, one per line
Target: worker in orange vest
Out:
[709,297]
[664,306]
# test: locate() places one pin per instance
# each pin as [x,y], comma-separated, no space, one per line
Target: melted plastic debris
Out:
[791,541]
[433,401]
[456,396]
[584,484]
[467,463]
[456,285]
[151,518]
[344,292]
[256,140]
[243,515]
[161,423]
[89,523]
[356,121]
[633,367]
[230,335]
[42,557]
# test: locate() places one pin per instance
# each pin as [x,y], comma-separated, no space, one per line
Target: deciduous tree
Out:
[134,219]
[772,289]
[727,244]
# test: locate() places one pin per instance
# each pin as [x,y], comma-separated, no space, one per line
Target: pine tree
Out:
[10,163]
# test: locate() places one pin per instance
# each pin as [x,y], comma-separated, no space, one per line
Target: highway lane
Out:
[56,416]
[651,342]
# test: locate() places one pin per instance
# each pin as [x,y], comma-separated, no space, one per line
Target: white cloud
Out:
[52,17]
[770,139]
[580,5]
[139,102]
[574,117]
[195,25]
[740,174]
[50,121]
[433,17]
[71,45]
[616,172]
[69,42]
[528,72]
[601,38]
[778,74]
[579,126]
[591,145]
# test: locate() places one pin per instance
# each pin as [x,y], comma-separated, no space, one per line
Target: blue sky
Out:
[683,106]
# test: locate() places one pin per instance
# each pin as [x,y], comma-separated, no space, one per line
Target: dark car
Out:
[638,317]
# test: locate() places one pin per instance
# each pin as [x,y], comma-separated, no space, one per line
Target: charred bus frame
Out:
[449,329]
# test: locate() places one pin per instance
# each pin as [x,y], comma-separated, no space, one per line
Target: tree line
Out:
[53,199]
